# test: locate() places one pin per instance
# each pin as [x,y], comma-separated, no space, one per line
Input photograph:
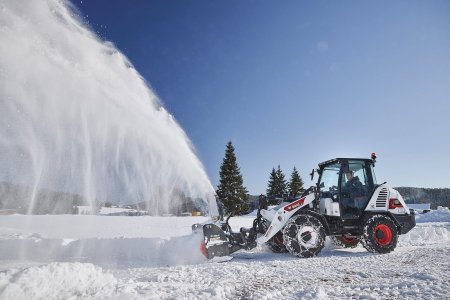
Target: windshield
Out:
[329,178]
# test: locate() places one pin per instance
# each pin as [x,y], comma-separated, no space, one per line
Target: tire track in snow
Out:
[409,272]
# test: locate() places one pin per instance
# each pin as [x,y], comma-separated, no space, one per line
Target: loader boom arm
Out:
[220,240]
[283,215]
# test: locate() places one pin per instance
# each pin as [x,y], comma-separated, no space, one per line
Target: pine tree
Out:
[295,184]
[272,183]
[231,190]
[281,187]
[277,185]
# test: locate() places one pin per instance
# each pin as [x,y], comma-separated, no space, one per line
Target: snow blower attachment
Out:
[222,241]
[216,240]
[346,204]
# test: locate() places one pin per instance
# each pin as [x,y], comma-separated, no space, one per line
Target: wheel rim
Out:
[383,235]
[278,240]
[307,237]
[347,240]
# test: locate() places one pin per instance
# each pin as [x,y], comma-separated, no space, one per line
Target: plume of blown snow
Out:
[77,116]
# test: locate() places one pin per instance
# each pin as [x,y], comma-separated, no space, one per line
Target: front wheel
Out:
[304,235]
[276,243]
[380,234]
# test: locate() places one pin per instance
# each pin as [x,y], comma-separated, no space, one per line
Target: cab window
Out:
[356,169]
[329,178]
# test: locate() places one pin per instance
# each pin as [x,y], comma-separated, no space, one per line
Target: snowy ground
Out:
[63,257]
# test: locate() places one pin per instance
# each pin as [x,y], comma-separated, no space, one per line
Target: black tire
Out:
[380,234]
[345,241]
[304,235]
[276,243]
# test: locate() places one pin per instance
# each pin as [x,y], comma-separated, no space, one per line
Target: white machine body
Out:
[279,217]
[383,199]
[329,207]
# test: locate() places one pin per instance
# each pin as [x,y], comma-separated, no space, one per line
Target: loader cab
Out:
[345,186]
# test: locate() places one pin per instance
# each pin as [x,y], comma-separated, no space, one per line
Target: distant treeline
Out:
[436,197]
[25,200]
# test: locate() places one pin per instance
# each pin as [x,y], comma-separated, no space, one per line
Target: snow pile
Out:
[431,228]
[105,241]
[426,234]
[145,266]
[124,252]
[57,281]
[442,214]
[85,226]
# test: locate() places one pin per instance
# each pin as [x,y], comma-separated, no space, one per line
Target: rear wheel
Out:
[345,241]
[380,234]
[304,235]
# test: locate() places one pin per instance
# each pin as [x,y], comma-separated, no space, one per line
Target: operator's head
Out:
[349,175]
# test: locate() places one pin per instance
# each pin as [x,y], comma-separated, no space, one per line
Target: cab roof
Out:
[343,159]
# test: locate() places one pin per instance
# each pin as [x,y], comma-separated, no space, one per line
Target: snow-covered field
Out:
[70,256]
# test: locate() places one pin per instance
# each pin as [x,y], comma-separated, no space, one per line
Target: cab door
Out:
[355,189]
[329,190]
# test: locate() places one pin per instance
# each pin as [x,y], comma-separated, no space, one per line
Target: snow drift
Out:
[57,281]
[442,214]
[106,241]
[432,228]
[141,259]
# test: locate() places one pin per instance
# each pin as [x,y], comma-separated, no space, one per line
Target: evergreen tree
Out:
[272,183]
[277,185]
[231,190]
[281,187]
[295,184]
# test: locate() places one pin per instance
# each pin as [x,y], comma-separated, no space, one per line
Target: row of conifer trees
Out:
[233,195]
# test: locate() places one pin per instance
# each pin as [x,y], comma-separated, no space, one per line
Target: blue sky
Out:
[294,83]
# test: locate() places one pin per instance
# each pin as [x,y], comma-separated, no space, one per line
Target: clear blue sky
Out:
[297,82]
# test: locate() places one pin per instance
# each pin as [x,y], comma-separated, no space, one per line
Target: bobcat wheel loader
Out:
[346,204]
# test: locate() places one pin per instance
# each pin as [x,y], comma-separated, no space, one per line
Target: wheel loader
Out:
[346,204]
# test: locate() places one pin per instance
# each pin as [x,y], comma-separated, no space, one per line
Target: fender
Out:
[368,214]
[283,214]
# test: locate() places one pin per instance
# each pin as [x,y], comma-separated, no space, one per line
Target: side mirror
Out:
[312,174]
